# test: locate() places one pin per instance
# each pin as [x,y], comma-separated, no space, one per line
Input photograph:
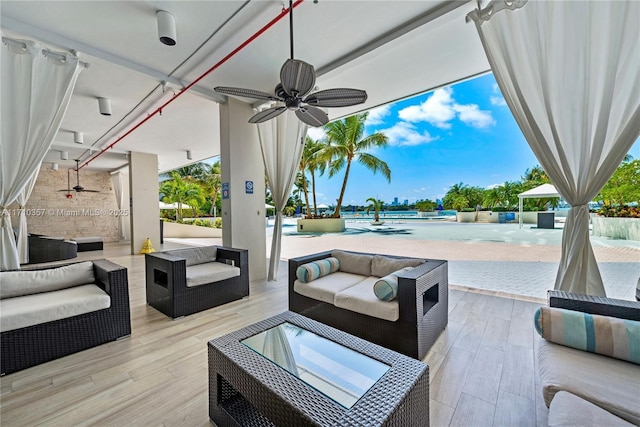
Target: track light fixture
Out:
[104,104]
[54,166]
[64,155]
[166,28]
[189,156]
[78,137]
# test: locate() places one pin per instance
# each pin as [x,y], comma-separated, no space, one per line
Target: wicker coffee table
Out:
[322,377]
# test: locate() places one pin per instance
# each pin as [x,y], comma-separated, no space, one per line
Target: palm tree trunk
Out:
[313,193]
[306,195]
[336,214]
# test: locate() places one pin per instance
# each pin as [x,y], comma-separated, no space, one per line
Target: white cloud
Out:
[473,116]
[492,186]
[376,115]
[406,134]
[316,133]
[437,109]
[497,98]
[440,108]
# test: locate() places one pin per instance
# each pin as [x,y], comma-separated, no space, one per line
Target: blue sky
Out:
[462,133]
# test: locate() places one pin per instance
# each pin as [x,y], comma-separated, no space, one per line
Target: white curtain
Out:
[282,142]
[116,178]
[570,73]
[36,90]
[23,240]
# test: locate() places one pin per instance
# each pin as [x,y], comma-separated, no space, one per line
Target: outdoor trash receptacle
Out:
[546,219]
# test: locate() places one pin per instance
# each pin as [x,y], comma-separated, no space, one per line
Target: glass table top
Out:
[338,372]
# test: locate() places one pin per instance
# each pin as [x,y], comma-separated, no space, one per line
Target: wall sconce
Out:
[166,28]
[78,137]
[189,156]
[104,104]
[64,155]
[54,166]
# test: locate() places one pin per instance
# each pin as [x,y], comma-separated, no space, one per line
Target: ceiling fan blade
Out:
[312,116]
[342,97]
[246,93]
[267,114]
[84,190]
[297,77]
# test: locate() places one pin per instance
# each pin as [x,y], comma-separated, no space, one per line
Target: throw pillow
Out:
[353,262]
[27,282]
[383,265]
[316,269]
[386,288]
[609,336]
[196,255]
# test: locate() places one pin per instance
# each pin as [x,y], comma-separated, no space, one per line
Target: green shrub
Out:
[619,211]
[217,223]
[467,210]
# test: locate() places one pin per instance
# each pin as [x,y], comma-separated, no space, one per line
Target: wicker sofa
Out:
[185,281]
[49,313]
[584,387]
[345,300]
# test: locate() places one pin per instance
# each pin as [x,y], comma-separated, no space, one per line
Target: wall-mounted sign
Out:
[248,187]
[225,190]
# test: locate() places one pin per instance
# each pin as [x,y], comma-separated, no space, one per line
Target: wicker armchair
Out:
[423,295]
[166,283]
[33,345]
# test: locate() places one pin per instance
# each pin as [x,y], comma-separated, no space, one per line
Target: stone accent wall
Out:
[50,212]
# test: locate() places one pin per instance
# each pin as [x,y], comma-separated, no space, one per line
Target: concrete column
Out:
[144,207]
[243,213]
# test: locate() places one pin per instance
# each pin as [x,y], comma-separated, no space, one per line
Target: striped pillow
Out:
[316,269]
[386,288]
[610,336]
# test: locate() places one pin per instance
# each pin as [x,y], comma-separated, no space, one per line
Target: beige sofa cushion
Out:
[27,282]
[354,263]
[210,272]
[609,383]
[568,410]
[325,288]
[361,299]
[383,266]
[29,310]
[194,256]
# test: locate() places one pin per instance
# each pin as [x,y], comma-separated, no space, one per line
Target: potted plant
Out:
[375,205]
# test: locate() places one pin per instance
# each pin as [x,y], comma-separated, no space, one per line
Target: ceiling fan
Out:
[78,188]
[297,80]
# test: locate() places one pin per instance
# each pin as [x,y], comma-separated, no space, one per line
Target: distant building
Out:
[395,202]
[406,202]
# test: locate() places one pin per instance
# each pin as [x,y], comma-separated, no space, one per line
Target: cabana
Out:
[544,191]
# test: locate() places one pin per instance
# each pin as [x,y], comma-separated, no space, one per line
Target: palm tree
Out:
[178,190]
[194,171]
[345,143]
[211,181]
[375,205]
[311,162]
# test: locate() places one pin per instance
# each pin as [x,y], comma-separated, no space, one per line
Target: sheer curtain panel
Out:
[23,240]
[282,142]
[118,190]
[36,90]
[570,73]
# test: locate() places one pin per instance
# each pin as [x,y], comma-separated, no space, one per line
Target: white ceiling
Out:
[391,49]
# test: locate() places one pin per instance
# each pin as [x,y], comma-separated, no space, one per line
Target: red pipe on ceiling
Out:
[282,14]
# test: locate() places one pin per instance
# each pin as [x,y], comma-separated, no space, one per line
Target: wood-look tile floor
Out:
[482,368]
